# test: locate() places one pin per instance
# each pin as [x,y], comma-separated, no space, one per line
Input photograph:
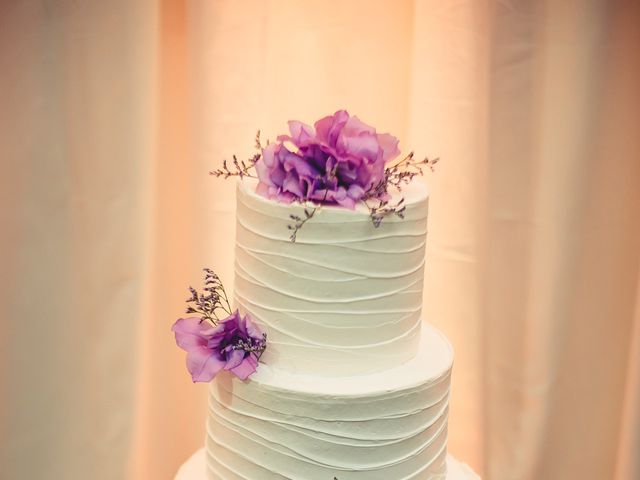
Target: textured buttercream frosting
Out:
[346,297]
[352,384]
[390,425]
[194,469]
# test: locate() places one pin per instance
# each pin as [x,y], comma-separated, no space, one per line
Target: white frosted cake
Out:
[352,383]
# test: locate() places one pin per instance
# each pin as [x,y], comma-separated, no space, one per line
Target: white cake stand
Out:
[194,469]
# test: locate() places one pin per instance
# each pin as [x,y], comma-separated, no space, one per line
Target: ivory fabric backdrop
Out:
[112,113]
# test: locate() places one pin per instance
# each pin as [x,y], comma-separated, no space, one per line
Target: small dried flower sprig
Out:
[215,298]
[252,345]
[396,176]
[400,174]
[240,168]
[308,212]
[378,212]
[300,221]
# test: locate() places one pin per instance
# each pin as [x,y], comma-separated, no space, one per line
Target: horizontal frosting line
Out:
[338,440]
[214,462]
[211,455]
[329,439]
[356,349]
[313,344]
[337,312]
[364,244]
[369,448]
[308,464]
[440,404]
[300,421]
[338,386]
[219,470]
[362,326]
[238,293]
[346,348]
[367,360]
[285,450]
[386,251]
[369,398]
[323,241]
[259,255]
[260,259]
[310,457]
[254,252]
[364,217]
[242,273]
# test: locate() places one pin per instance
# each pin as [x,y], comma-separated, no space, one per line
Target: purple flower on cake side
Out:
[234,345]
[337,162]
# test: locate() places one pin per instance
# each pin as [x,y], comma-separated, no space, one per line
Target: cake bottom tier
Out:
[194,469]
[390,425]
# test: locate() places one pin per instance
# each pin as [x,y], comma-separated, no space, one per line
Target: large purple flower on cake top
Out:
[235,344]
[337,162]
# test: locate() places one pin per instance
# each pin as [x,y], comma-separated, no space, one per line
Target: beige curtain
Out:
[112,113]
[77,113]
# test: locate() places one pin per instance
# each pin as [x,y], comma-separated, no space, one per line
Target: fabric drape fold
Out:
[77,105]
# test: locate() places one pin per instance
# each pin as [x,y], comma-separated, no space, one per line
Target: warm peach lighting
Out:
[112,114]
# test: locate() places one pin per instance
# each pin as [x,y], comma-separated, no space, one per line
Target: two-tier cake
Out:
[329,267]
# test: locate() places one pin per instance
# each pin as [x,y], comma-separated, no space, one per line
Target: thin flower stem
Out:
[226,300]
[308,216]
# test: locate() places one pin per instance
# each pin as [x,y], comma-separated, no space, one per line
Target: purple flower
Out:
[234,344]
[336,162]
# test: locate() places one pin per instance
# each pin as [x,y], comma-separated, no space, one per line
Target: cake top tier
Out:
[344,298]
[329,257]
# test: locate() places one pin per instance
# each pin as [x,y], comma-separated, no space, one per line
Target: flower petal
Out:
[203,364]
[355,127]
[389,145]
[246,368]
[284,197]
[301,133]
[328,128]
[277,175]
[234,358]
[346,202]
[300,165]
[241,323]
[363,145]
[355,191]
[292,184]
[269,154]
[192,332]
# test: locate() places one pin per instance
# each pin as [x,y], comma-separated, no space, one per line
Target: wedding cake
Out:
[324,368]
